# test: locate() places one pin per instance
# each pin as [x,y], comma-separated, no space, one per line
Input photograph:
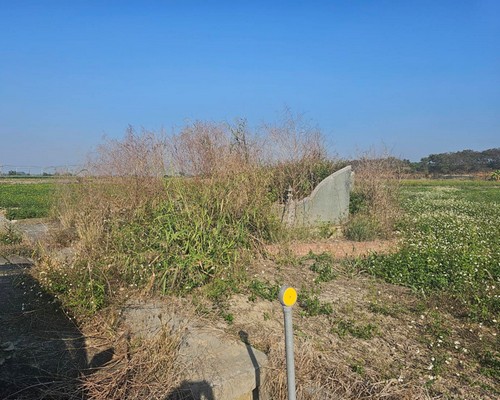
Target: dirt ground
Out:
[338,248]
[369,339]
[377,341]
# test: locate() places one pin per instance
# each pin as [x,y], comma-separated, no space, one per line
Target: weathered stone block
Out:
[328,203]
[216,367]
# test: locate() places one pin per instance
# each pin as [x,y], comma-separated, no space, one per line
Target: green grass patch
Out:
[323,266]
[451,244]
[27,200]
[312,306]
[357,330]
[264,290]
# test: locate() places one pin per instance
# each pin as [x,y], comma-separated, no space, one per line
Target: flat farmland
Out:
[26,198]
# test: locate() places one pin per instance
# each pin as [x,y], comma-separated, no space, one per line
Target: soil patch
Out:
[337,247]
[376,340]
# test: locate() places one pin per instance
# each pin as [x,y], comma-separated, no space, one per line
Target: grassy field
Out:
[420,322]
[26,198]
[450,245]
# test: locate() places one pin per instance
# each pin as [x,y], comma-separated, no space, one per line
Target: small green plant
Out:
[490,364]
[361,227]
[323,266]
[360,331]
[357,368]
[327,230]
[10,236]
[264,290]
[228,317]
[312,306]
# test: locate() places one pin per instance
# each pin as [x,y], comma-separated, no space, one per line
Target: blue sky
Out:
[419,77]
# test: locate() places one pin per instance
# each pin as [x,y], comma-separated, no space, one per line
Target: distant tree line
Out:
[460,162]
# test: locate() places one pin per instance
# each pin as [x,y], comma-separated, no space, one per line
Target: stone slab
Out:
[4,222]
[18,260]
[34,230]
[328,202]
[218,367]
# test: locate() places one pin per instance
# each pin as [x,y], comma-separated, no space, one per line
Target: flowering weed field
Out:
[450,246]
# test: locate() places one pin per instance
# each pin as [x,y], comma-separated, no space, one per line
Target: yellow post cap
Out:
[287,296]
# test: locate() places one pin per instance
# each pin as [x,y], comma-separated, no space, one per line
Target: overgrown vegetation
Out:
[170,215]
[374,206]
[186,214]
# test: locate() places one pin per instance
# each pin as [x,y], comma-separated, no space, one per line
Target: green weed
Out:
[10,237]
[358,368]
[392,310]
[360,331]
[265,290]
[312,306]
[323,266]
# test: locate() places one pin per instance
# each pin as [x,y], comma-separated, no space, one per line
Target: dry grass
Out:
[375,202]
[209,149]
[295,151]
[379,342]
[322,375]
[143,369]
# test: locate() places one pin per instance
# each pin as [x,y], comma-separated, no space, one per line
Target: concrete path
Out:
[41,349]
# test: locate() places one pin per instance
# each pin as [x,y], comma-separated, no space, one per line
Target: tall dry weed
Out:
[376,189]
[208,149]
[296,154]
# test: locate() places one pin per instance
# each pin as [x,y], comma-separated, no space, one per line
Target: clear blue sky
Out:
[420,76]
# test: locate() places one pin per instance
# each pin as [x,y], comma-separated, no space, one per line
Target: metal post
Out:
[290,362]
[287,298]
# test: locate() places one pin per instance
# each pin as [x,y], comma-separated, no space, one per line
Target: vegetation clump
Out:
[323,266]
[172,214]
[374,204]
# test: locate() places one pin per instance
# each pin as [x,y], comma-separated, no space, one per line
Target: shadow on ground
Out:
[42,351]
